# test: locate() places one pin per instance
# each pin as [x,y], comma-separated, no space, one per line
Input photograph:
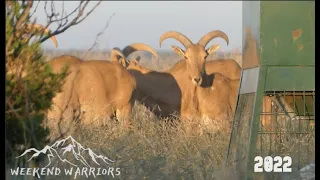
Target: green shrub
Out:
[30,86]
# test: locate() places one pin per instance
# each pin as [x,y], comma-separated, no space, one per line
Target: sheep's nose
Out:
[197,79]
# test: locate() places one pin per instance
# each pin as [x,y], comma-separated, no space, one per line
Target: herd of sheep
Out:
[194,88]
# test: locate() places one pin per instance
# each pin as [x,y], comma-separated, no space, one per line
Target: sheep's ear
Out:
[117,55]
[213,48]
[178,51]
[124,62]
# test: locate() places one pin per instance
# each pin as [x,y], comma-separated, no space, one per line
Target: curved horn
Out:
[114,52]
[211,35]
[177,36]
[138,47]
[46,31]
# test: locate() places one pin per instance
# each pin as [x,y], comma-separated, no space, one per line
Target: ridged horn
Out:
[46,31]
[211,35]
[186,42]
[116,51]
[138,47]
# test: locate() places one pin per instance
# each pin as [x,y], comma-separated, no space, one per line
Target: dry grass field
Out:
[155,149]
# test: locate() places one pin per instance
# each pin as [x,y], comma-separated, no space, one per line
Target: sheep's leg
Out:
[123,115]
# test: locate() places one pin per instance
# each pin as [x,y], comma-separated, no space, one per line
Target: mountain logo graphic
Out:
[63,147]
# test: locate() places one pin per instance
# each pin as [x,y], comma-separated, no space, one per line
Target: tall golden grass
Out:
[162,148]
[156,149]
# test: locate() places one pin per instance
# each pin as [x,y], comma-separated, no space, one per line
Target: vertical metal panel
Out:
[251,34]
[287,33]
[249,82]
[278,55]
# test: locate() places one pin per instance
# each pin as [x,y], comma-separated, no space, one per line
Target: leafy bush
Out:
[30,85]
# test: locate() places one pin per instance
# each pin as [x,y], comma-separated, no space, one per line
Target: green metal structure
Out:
[275,108]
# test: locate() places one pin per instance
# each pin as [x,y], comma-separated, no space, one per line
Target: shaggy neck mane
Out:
[195,102]
[181,67]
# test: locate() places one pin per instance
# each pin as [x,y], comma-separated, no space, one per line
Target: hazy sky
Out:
[142,21]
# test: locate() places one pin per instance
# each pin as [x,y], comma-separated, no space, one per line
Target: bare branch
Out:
[88,13]
[62,13]
[35,9]
[45,8]
[24,15]
[98,35]
[53,8]
[52,17]
[49,17]
[20,21]
[75,21]
[64,16]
